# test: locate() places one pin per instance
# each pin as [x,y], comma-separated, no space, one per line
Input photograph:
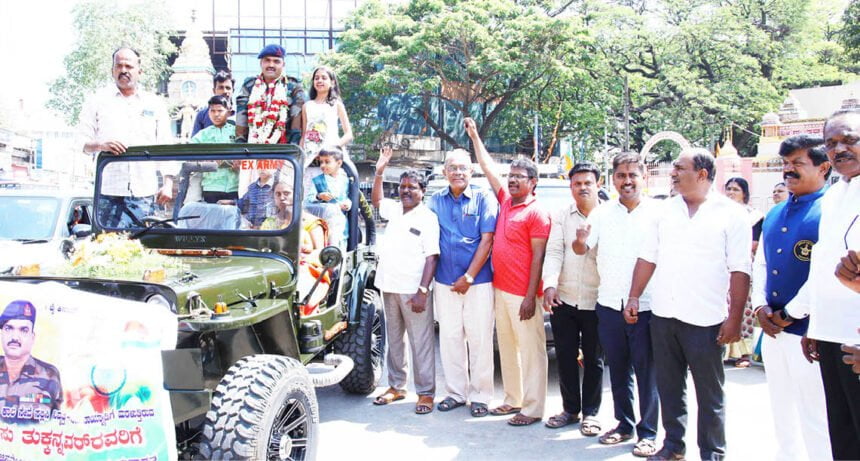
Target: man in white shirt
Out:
[696,251]
[114,118]
[834,308]
[408,255]
[570,292]
[616,229]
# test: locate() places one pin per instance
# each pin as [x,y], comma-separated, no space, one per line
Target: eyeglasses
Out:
[458,168]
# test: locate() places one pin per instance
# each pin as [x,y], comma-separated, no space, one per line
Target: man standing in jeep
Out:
[119,116]
[268,105]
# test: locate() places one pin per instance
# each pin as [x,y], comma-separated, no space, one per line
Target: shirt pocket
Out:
[470,225]
[517,228]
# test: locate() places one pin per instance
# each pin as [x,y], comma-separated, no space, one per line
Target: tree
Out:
[697,66]
[103,26]
[476,56]
[849,36]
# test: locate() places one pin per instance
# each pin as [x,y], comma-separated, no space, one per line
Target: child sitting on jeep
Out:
[330,188]
[256,201]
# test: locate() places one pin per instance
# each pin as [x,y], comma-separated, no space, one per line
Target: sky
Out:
[32,47]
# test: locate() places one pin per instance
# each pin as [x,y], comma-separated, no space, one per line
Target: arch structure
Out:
[664,136]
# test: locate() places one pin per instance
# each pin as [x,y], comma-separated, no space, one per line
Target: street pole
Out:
[626,116]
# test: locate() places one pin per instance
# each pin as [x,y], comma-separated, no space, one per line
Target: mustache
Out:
[790,174]
[843,155]
[13,342]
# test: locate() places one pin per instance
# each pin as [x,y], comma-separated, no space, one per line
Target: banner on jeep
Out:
[81,375]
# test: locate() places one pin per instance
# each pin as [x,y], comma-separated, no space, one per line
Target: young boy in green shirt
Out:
[222,184]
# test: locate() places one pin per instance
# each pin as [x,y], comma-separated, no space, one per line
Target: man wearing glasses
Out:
[463,294]
[833,308]
[522,231]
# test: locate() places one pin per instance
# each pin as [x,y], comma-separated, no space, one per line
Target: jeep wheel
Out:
[264,408]
[365,345]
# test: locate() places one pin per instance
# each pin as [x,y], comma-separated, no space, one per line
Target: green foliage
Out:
[849,36]
[481,53]
[103,26]
[692,66]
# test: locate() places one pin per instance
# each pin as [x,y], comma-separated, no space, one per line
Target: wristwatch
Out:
[785,317]
[423,289]
[469,279]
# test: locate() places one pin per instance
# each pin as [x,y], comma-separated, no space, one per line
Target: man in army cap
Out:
[30,389]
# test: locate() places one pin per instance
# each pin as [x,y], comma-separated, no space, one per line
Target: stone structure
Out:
[191,81]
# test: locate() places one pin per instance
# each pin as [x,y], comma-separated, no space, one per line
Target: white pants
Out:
[466,341]
[522,354]
[796,400]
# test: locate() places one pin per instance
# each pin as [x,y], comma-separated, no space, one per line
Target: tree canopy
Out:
[103,26]
[692,66]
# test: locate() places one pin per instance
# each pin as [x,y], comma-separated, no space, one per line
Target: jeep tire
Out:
[364,343]
[264,408]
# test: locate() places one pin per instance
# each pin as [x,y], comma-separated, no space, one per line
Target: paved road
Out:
[353,428]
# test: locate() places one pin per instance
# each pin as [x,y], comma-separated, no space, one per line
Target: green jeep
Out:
[250,349]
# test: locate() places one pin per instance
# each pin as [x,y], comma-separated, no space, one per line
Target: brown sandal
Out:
[504,410]
[424,405]
[520,419]
[390,395]
[560,420]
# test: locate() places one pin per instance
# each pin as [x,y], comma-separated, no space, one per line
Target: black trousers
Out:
[842,397]
[677,346]
[573,328]
[628,353]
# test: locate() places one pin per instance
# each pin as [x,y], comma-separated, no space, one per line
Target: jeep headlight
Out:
[159,300]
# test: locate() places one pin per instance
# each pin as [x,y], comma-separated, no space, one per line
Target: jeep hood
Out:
[236,279]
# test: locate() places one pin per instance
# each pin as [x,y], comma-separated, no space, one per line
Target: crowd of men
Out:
[652,289]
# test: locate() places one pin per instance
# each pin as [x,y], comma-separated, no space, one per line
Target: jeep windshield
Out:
[26,218]
[197,194]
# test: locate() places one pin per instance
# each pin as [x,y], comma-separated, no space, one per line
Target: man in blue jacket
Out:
[781,267]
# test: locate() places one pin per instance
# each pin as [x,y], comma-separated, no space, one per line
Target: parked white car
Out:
[38,225]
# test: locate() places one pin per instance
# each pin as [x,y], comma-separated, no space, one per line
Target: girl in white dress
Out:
[321,113]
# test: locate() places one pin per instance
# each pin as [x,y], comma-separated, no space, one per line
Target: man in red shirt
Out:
[522,230]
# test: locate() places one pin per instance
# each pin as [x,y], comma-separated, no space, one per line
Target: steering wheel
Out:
[155,221]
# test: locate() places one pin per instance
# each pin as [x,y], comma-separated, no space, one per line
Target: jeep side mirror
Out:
[330,257]
[82,230]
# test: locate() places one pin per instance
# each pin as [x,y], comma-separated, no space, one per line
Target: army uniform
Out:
[36,391]
[781,267]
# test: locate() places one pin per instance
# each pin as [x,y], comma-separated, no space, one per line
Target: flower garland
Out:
[115,256]
[268,112]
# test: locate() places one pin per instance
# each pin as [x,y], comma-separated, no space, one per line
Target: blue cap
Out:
[272,50]
[19,310]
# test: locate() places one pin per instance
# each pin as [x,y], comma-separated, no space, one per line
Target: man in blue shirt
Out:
[781,267]
[463,296]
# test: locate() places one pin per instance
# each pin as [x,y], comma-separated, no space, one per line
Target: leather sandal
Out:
[390,395]
[424,405]
[448,404]
[520,419]
[560,420]
[503,410]
[614,437]
[645,448]
[590,426]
